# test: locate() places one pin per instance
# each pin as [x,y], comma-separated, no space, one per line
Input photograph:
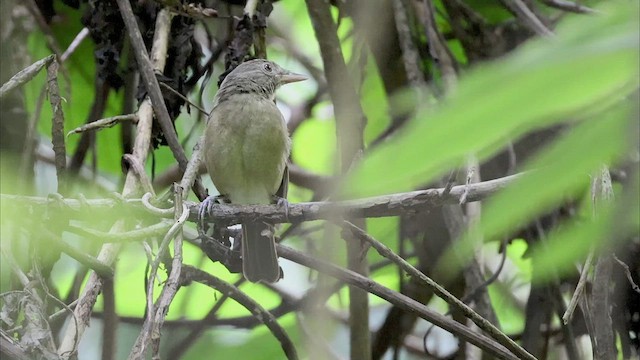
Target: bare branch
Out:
[57,126]
[569,6]
[193,274]
[24,75]
[104,123]
[380,206]
[399,300]
[527,17]
[109,252]
[482,323]
[153,88]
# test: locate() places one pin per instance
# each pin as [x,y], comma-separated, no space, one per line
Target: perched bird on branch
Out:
[246,148]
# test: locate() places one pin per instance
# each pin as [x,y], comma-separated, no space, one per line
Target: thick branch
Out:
[379,206]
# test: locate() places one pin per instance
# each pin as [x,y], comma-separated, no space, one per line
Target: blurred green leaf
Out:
[508,311]
[572,241]
[374,102]
[314,143]
[245,344]
[591,63]
[557,174]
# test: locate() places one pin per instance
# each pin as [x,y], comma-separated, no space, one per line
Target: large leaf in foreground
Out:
[592,63]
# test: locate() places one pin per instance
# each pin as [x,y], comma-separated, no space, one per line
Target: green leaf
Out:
[559,173]
[314,143]
[374,102]
[590,64]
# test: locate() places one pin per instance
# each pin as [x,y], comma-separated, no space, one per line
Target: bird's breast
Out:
[246,148]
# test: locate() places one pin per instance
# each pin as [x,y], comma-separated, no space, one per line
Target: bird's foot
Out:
[283,204]
[207,206]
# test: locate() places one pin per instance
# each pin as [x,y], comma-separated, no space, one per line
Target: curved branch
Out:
[190,273]
[402,301]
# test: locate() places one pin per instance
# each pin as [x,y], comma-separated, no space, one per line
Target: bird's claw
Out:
[206,207]
[282,203]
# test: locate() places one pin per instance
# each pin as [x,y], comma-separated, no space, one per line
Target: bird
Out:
[246,148]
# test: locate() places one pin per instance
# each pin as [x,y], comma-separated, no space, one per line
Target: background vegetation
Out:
[489,148]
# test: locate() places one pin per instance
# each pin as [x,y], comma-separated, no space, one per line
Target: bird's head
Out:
[260,76]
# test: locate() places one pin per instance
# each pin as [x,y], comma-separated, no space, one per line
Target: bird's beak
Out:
[290,77]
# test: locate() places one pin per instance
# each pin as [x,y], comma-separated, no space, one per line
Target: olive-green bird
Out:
[246,148]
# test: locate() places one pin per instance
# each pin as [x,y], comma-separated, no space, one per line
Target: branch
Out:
[83,258]
[57,126]
[528,18]
[379,206]
[155,317]
[569,6]
[402,301]
[442,56]
[153,88]
[104,123]
[482,323]
[601,299]
[109,252]
[193,274]
[23,76]
[410,55]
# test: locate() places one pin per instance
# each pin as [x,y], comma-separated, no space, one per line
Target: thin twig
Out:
[83,258]
[57,126]
[25,75]
[175,92]
[44,27]
[527,17]
[402,301]
[137,168]
[627,272]
[156,314]
[143,234]
[75,43]
[193,168]
[104,123]
[173,283]
[577,294]
[195,331]
[569,6]
[193,274]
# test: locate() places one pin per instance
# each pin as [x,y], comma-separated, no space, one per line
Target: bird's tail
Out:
[259,257]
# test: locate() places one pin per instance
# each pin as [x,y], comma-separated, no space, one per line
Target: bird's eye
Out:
[267,67]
